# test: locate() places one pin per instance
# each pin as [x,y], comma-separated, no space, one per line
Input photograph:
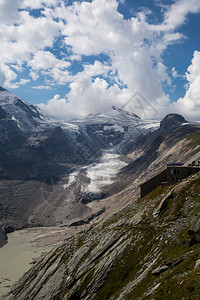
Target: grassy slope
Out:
[178,281]
[170,238]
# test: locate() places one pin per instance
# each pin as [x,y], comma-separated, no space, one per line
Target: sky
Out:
[74,58]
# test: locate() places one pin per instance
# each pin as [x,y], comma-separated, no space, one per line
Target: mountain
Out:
[27,116]
[88,172]
[145,251]
[53,170]
[60,170]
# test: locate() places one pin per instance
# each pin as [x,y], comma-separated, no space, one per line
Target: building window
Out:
[178,171]
[172,171]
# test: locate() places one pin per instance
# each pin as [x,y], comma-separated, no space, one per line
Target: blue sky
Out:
[73,58]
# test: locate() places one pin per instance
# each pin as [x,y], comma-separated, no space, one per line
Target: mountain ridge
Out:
[59,189]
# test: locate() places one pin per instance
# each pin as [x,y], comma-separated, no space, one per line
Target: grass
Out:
[194,140]
[172,287]
[126,269]
[181,281]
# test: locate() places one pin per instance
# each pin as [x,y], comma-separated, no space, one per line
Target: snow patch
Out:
[151,125]
[71,179]
[114,127]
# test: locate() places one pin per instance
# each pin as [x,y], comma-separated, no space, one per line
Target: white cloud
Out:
[44,60]
[9,11]
[74,57]
[177,13]
[56,106]
[85,96]
[24,35]
[21,82]
[8,73]
[42,87]
[189,105]
[37,4]
[174,72]
[57,76]
[45,63]
[97,27]
[62,35]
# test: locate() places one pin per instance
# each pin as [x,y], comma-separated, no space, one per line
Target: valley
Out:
[76,187]
[20,253]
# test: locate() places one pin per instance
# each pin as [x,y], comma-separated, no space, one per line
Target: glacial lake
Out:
[16,256]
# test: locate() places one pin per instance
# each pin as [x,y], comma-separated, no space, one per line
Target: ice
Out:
[153,125]
[104,172]
[71,179]
[114,127]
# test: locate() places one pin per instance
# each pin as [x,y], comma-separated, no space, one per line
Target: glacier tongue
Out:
[103,173]
[100,174]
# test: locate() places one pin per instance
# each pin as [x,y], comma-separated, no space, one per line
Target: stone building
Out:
[171,175]
[177,173]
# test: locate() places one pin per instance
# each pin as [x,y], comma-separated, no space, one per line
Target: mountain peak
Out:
[172,121]
[120,110]
[25,114]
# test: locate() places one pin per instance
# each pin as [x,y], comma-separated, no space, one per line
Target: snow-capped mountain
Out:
[34,140]
[55,173]
[114,127]
[26,115]
[31,117]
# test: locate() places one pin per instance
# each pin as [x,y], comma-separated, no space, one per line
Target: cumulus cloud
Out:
[9,11]
[22,81]
[45,63]
[37,4]
[189,105]
[24,35]
[177,13]
[62,35]
[86,96]
[97,27]
[45,60]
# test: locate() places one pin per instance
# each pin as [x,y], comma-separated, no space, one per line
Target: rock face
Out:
[172,121]
[25,115]
[2,113]
[131,255]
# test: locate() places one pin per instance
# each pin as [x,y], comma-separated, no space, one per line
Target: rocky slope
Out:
[145,251]
[49,177]
[55,192]
[25,115]
[47,167]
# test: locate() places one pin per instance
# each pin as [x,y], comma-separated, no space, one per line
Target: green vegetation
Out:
[125,270]
[80,241]
[152,258]
[178,281]
[194,139]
